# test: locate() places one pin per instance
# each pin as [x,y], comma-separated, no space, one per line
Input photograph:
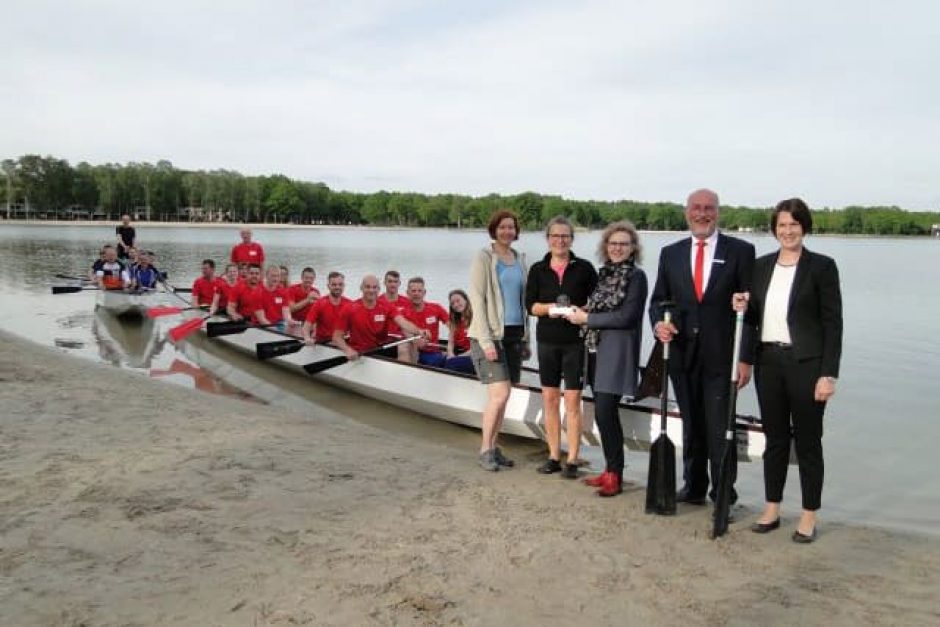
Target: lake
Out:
[880,429]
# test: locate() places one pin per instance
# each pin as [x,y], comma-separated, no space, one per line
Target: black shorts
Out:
[561,361]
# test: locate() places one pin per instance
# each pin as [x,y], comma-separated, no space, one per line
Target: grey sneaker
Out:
[502,460]
[488,460]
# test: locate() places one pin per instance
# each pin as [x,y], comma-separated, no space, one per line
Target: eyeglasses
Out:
[559,236]
[624,244]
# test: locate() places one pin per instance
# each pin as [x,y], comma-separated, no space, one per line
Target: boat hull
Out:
[129,304]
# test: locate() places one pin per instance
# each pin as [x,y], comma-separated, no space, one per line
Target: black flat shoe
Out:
[800,538]
[570,471]
[760,527]
[550,466]
[684,496]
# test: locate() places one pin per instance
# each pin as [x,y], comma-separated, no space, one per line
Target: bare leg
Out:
[573,420]
[807,522]
[551,397]
[408,353]
[497,395]
[771,513]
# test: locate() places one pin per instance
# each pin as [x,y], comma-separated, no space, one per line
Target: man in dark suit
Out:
[699,274]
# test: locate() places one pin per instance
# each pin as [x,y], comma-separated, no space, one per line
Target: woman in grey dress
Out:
[613,318]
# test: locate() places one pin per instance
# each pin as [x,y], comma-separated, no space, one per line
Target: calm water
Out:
[880,429]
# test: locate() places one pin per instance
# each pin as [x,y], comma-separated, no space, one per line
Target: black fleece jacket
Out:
[543,286]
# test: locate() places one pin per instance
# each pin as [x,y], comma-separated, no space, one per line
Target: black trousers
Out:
[703,400]
[607,417]
[789,412]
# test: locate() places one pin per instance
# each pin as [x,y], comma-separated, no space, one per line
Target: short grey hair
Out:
[562,220]
[621,226]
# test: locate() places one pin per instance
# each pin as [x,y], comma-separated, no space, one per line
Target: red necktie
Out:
[699,276]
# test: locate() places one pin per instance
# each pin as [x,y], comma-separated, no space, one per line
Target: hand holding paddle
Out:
[332,362]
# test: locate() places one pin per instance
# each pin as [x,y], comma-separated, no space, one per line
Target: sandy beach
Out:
[126,501]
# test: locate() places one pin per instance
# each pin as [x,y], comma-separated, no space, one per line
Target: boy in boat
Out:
[302,295]
[206,287]
[247,251]
[108,272]
[366,321]
[322,316]
[246,297]
[429,317]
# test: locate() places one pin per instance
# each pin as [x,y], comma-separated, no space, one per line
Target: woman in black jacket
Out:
[560,279]
[795,305]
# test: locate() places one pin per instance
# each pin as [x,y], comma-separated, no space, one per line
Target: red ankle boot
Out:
[598,481]
[612,485]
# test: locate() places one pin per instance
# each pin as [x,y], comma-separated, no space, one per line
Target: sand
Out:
[125,501]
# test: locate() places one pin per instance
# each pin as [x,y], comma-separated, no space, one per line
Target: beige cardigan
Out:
[486,300]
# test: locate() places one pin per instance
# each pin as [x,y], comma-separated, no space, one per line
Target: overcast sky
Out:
[835,101]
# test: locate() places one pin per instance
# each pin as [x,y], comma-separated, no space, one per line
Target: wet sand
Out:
[125,501]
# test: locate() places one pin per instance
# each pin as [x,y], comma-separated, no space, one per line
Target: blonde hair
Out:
[621,226]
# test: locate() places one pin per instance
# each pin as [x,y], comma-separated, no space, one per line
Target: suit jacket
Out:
[706,329]
[621,333]
[814,312]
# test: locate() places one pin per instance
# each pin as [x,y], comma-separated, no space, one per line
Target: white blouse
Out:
[774,325]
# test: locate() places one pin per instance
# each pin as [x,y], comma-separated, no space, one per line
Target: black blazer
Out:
[706,329]
[814,315]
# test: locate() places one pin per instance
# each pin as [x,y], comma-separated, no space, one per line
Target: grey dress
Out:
[617,365]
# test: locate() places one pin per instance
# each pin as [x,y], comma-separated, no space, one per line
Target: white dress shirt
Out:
[773,327]
[709,257]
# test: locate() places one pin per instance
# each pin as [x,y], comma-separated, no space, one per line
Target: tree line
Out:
[40,187]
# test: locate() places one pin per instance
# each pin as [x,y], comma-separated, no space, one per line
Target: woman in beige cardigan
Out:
[498,331]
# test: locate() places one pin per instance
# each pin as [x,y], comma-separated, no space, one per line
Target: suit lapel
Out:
[720,246]
[799,277]
[684,249]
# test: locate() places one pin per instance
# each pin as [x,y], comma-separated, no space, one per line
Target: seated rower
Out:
[458,344]
[303,294]
[285,276]
[246,297]
[275,303]
[427,316]
[206,287]
[97,263]
[366,322]
[144,276]
[323,314]
[223,288]
[108,272]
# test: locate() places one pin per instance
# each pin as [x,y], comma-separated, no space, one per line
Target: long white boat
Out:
[130,304]
[460,399]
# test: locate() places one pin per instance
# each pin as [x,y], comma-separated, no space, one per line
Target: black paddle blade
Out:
[661,480]
[325,364]
[723,495]
[215,329]
[66,289]
[267,350]
[651,381]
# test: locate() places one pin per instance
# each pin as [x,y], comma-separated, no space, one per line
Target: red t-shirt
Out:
[247,299]
[252,252]
[297,293]
[225,290]
[430,317]
[400,304]
[367,328]
[273,303]
[204,291]
[325,315]
[461,341]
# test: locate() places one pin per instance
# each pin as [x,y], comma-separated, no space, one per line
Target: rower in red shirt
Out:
[275,303]
[206,286]
[324,313]
[247,251]
[428,316]
[366,322]
[392,297]
[224,286]
[246,298]
[303,294]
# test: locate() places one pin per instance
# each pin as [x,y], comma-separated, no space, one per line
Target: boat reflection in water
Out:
[132,343]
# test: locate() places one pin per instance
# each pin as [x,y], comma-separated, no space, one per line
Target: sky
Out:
[830,101]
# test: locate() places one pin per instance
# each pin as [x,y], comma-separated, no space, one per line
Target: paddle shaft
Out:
[317,367]
[723,495]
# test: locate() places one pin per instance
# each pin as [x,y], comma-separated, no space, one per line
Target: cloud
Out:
[833,101]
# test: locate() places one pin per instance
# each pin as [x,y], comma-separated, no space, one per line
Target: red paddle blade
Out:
[156,312]
[182,331]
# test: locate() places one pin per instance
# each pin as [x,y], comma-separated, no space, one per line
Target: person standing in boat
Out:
[499,329]
[560,279]
[795,304]
[429,317]
[460,314]
[324,314]
[126,237]
[247,251]
[108,272]
[303,294]
[246,297]
[613,318]
[363,325]
[699,274]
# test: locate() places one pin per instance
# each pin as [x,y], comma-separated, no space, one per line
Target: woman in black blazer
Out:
[795,306]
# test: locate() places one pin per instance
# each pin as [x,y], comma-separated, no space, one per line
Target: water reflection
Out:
[133,343]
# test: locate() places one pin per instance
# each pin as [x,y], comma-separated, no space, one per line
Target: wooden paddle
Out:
[661,477]
[268,350]
[728,457]
[325,364]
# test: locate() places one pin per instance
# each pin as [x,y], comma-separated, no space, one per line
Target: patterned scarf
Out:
[612,282]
